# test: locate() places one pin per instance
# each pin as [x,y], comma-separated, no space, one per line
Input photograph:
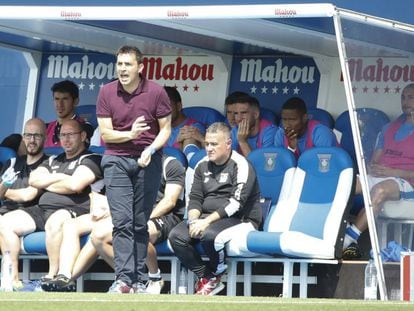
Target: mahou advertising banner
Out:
[273,80]
[378,82]
[201,80]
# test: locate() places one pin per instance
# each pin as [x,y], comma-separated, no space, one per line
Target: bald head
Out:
[34,136]
[37,123]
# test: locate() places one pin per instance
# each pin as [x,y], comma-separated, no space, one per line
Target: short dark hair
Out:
[236,97]
[173,94]
[254,103]
[66,86]
[129,49]
[295,103]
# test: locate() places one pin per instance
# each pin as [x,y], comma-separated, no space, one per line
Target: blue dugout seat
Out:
[310,221]
[88,113]
[97,149]
[322,116]
[205,115]
[176,153]
[274,169]
[269,115]
[6,154]
[53,150]
[370,121]
[35,243]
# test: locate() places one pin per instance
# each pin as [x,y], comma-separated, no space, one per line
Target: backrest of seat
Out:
[97,149]
[271,165]
[274,169]
[176,153]
[53,150]
[88,113]
[6,153]
[319,200]
[322,116]
[205,115]
[343,125]
[268,115]
[370,122]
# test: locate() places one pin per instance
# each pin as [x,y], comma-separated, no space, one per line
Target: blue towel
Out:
[392,253]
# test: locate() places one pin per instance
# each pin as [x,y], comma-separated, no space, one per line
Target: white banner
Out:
[166,12]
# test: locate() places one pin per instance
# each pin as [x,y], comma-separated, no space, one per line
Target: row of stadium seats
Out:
[370,122]
[320,169]
[208,115]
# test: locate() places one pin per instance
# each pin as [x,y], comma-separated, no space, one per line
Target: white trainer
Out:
[155,286]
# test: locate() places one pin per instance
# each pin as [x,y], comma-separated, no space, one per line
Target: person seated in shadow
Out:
[251,131]
[16,143]
[297,133]
[65,98]
[187,134]
[230,107]
[390,171]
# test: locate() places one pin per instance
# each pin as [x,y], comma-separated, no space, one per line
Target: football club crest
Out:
[72,165]
[324,162]
[223,177]
[270,160]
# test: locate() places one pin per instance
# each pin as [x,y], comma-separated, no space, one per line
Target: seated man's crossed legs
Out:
[382,190]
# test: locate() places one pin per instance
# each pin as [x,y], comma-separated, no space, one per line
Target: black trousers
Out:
[212,243]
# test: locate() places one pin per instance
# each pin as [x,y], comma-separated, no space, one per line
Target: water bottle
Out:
[6,273]
[182,286]
[371,281]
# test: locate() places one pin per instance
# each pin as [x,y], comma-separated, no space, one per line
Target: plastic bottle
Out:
[371,281]
[182,286]
[6,273]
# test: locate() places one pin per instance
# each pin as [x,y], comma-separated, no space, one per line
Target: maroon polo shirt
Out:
[149,100]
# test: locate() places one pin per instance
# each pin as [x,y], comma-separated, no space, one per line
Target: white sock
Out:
[352,234]
[155,275]
[68,274]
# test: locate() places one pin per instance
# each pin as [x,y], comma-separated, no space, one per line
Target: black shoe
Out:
[351,252]
[45,284]
[64,284]
[60,283]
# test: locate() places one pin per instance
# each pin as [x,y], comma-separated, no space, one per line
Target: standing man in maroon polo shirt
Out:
[134,117]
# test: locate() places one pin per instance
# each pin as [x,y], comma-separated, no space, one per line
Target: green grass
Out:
[102,301]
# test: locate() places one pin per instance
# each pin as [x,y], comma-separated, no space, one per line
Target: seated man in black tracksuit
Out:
[224,198]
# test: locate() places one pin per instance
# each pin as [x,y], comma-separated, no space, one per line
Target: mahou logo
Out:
[155,68]
[380,72]
[380,76]
[253,70]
